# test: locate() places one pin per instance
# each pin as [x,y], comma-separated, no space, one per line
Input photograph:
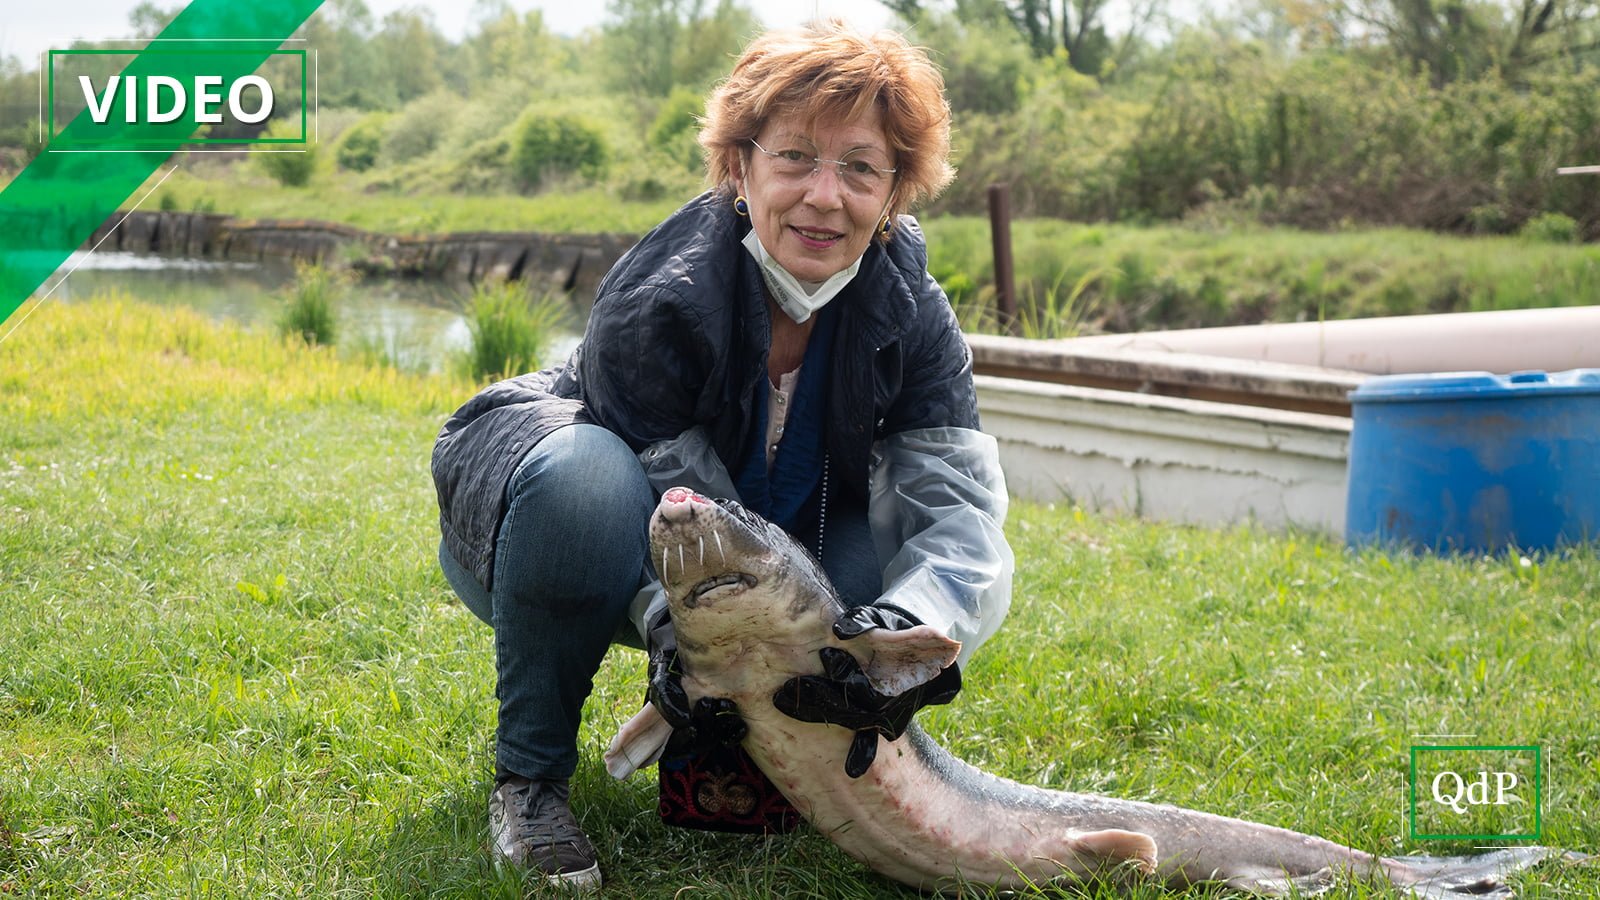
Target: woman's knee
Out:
[577,521]
[583,468]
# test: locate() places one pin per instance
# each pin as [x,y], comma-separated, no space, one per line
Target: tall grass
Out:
[509,328]
[1177,276]
[1051,313]
[230,667]
[309,313]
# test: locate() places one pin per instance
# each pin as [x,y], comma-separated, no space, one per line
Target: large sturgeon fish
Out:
[752,609]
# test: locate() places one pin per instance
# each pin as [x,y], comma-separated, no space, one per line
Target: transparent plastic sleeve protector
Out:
[687,460]
[937,509]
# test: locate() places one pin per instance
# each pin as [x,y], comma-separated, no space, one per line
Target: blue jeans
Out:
[572,552]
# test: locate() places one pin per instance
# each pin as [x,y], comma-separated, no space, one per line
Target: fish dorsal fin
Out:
[1117,845]
[901,660]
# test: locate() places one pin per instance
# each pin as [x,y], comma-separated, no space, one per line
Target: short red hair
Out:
[829,72]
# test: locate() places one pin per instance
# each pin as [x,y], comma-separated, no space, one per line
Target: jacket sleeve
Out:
[937,509]
[938,498]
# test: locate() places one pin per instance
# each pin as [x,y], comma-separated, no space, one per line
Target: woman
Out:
[778,340]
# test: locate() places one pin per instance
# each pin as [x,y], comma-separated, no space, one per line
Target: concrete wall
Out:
[1168,458]
[554,262]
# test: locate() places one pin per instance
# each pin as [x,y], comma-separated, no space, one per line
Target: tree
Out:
[350,72]
[508,46]
[1452,40]
[1078,27]
[409,48]
[655,45]
[148,19]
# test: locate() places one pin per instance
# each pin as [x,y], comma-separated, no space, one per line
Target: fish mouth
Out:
[717,584]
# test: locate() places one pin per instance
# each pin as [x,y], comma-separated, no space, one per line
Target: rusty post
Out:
[1005,281]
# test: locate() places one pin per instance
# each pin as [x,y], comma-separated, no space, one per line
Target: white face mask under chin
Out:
[798,299]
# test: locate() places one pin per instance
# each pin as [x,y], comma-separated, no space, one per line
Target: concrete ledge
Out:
[552,262]
[1502,341]
[1168,458]
[1148,369]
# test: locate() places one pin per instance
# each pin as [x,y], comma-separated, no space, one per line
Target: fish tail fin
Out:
[1456,877]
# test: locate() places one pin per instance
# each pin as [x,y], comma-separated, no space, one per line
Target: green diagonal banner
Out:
[57,202]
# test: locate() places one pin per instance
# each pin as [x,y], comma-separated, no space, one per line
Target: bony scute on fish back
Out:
[757,611]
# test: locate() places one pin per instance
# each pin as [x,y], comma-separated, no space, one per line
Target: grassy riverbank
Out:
[1074,276]
[229,666]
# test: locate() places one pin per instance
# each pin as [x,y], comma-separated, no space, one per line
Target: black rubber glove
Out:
[842,695]
[711,722]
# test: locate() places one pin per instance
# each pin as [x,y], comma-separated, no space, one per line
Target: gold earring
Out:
[741,205]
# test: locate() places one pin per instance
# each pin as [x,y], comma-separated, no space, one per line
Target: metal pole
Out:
[1005,281]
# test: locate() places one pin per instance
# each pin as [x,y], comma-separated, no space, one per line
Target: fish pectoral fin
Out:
[1117,845]
[903,659]
[638,743]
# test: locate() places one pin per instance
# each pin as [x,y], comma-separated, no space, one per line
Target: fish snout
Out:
[684,523]
[680,505]
[682,514]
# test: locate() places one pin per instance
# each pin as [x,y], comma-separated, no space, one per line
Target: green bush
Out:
[508,329]
[421,127]
[543,145]
[1228,132]
[1550,228]
[293,168]
[675,131]
[309,314]
[360,145]
[679,114]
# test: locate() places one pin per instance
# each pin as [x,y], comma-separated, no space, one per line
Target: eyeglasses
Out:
[857,173]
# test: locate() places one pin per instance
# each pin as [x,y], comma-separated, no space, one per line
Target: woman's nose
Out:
[825,187]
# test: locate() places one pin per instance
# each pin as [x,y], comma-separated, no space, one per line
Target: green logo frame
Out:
[1538,790]
[120,137]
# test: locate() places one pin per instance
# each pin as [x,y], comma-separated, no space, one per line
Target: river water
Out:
[415,323]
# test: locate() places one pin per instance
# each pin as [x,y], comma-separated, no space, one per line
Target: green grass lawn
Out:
[240,190]
[229,666]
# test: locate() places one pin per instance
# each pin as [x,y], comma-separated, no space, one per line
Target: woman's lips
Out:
[816,238]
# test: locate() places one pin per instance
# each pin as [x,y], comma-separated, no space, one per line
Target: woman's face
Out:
[817,223]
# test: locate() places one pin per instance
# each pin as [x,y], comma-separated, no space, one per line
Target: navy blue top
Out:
[784,495]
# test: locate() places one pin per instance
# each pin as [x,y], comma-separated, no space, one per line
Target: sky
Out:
[29,28]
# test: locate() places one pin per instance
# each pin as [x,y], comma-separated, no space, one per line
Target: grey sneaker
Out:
[531,825]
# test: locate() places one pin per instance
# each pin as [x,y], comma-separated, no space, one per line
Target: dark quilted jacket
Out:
[678,337]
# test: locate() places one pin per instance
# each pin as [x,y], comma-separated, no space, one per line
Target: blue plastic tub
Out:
[1475,462]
